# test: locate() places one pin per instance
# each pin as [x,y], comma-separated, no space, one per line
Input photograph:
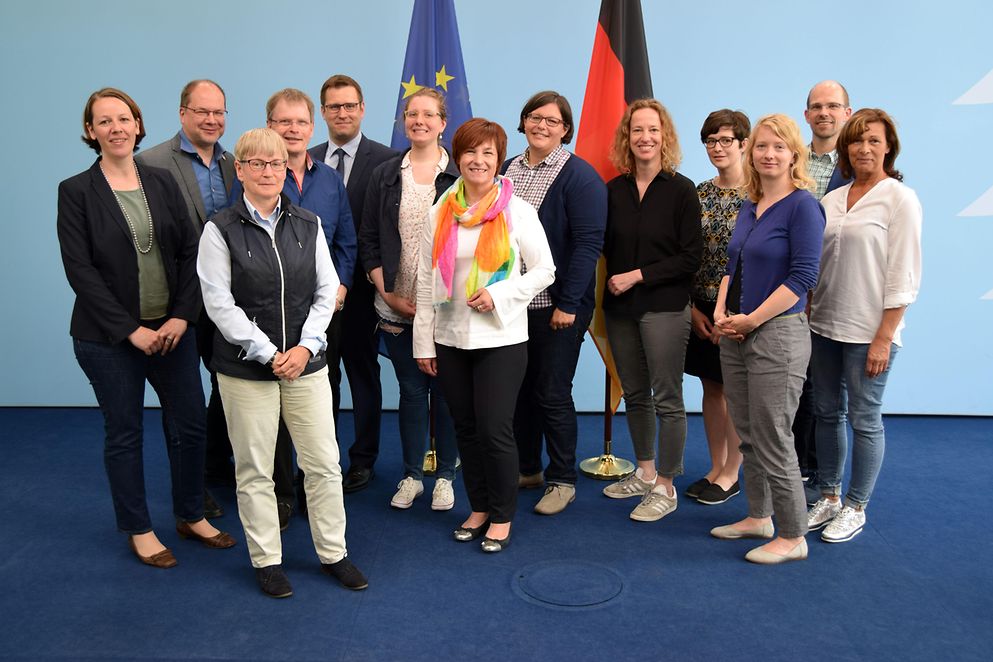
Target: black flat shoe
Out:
[696,488]
[715,494]
[492,545]
[357,479]
[465,534]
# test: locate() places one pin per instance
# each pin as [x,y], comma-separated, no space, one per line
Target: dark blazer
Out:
[369,155]
[169,156]
[379,236]
[98,253]
[837,180]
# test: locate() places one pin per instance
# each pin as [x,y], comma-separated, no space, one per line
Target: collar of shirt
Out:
[551,160]
[438,168]
[350,148]
[267,222]
[186,146]
[831,156]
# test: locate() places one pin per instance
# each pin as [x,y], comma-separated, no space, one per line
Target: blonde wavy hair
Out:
[786,130]
[620,153]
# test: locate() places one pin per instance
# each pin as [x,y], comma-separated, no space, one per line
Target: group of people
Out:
[477,273]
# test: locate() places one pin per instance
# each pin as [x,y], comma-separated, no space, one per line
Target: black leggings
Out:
[481,387]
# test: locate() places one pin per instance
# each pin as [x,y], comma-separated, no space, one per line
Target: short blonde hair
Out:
[260,142]
[786,130]
[620,153]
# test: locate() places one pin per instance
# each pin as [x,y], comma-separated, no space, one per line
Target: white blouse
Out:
[870,261]
[455,324]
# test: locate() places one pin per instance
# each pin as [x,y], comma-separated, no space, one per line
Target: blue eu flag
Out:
[434,59]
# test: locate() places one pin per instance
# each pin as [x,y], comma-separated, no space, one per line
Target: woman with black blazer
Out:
[400,193]
[129,253]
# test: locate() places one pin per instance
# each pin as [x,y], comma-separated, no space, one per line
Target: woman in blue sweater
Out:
[773,260]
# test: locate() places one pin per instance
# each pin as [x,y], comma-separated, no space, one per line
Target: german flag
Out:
[619,74]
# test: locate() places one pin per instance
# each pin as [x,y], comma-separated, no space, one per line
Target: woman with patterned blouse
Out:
[401,192]
[725,135]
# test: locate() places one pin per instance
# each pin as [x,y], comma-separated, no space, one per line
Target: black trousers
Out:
[218,467]
[481,387]
[804,424]
[359,350]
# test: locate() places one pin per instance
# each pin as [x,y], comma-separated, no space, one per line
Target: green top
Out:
[153,289]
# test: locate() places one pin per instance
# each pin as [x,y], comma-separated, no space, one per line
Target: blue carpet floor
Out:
[917,584]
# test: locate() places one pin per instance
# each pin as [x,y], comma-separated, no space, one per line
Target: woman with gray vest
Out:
[269,285]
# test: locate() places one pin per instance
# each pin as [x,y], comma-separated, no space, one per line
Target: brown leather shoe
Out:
[220,541]
[163,559]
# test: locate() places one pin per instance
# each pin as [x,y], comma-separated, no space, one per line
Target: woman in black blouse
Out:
[652,248]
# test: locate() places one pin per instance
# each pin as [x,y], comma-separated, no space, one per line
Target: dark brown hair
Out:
[341,80]
[735,120]
[115,93]
[857,124]
[543,99]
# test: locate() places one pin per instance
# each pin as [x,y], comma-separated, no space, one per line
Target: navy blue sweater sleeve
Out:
[586,209]
[806,231]
[342,236]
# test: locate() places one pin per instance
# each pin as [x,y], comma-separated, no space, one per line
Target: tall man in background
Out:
[205,174]
[826,112]
[354,156]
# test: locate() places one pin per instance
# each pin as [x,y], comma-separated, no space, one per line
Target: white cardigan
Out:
[455,324]
[870,261]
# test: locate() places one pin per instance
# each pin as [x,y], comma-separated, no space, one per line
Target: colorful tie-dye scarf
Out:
[493,258]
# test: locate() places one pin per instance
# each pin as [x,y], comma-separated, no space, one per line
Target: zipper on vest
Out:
[282,282]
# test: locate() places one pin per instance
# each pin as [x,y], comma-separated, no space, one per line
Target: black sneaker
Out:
[715,494]
[285,510]
[273,581]
[696,488]
[346,573]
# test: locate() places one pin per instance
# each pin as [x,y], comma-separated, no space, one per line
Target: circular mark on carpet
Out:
[570,585]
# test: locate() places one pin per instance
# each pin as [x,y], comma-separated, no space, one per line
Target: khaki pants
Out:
[252,409]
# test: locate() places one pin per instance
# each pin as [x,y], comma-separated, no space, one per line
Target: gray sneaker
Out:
[556,498]
[655,505]
[631,486]
[822,513]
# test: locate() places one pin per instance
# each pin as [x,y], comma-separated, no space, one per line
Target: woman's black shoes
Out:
[492,545]
[466,534]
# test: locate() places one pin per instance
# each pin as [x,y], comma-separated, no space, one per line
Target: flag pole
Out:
[606,466]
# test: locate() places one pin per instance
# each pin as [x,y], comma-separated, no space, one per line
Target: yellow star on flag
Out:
[411,87]
[441,78]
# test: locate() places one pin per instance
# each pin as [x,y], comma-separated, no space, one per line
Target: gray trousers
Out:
[763,378]
[649,352]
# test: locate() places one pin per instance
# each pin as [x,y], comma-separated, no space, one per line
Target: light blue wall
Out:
[912,58]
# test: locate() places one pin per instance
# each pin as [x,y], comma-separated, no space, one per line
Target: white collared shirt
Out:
[870,261]
[350,148]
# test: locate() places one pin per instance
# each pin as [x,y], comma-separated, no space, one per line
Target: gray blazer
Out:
[169,156]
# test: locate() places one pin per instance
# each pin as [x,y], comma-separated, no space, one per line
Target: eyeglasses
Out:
[723,141]
[258,165]
[550,122]
[335,108]
[204,113]
[285,124]
[833,107]
[426,114]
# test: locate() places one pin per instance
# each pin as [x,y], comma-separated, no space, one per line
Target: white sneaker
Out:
[631,486]
[845,526]
[409,489]
[823,512]
[443,496]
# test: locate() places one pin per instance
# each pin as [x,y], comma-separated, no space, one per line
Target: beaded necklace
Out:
[148,211]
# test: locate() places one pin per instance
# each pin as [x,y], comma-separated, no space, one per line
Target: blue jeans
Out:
[842,391]
[414,412]
[545,408]
[117,374]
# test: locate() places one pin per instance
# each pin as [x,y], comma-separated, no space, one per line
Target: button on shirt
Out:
[350,148]
[209,178]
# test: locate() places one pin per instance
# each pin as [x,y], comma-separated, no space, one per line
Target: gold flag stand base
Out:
[606,467]
[431,462]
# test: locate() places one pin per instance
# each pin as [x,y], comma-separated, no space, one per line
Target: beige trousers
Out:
[252,409]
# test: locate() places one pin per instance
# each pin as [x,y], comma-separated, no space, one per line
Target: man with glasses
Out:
[826,113]
[571,200]
[355,156]
[205,174]
[316,187]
